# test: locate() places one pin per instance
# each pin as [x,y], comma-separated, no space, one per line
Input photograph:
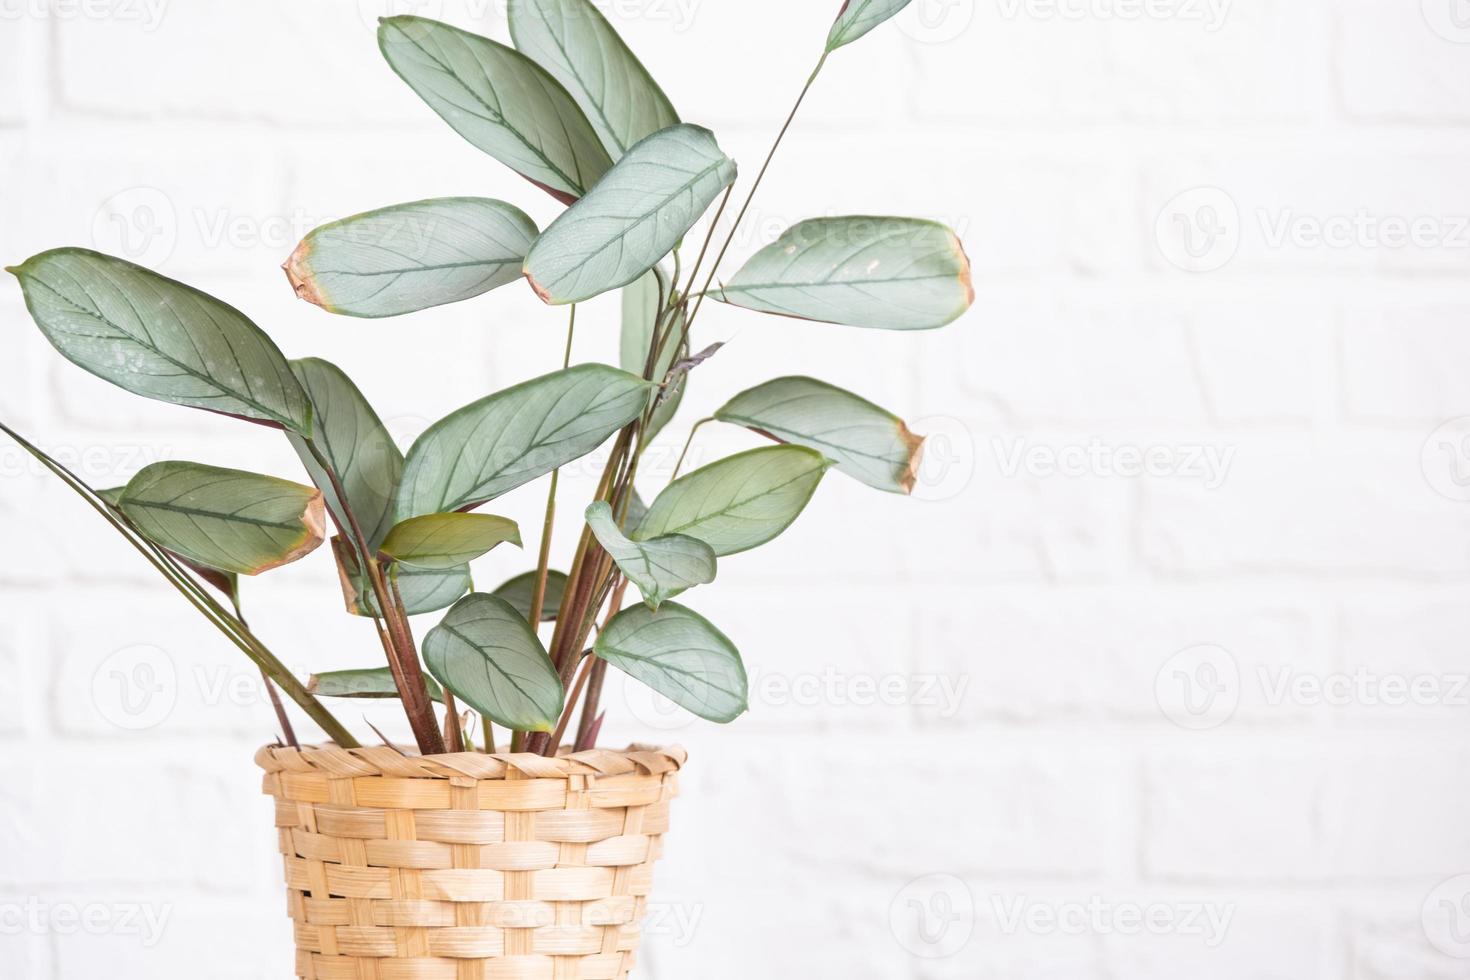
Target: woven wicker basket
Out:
[468,867]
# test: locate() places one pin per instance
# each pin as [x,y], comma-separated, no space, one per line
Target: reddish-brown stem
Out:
[572,699]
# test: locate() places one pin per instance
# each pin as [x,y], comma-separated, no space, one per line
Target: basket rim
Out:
[387,760]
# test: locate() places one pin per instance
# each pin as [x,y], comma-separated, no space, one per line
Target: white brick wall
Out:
[1062,696]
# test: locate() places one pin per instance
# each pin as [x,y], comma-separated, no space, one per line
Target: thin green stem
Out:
[756,186]
[688,443]
[231,627]
[543,561]
[287,731]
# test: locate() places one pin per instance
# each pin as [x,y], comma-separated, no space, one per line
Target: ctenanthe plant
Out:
[570,108]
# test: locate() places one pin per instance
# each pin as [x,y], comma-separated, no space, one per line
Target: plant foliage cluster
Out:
[571,109]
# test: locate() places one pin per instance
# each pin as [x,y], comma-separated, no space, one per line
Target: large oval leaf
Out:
[373,683]
[354,440]
[640,319]
[863,440]
[888,273]
[521,591]
[159,338]
[445,541]
[681,655]
[412,256]
[661,567]
[500,100]
[515,436]
[224,519]
[572,40]
[486,653]
[632,218]
[858,17]
[424,590]
[740,502]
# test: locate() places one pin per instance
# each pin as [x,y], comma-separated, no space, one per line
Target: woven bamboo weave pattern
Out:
[468,867]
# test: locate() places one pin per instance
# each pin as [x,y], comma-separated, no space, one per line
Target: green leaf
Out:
[858,17]
[500,100]
[227,583]
[640,315]
[679,654]
[374,683]
[637,511]
[661,567]
[887,273]
[423,590]
[520,590]
[572,40]
[740,502]
[446,541]
[412,256]
[632,218]
[514,436]
[351,436]
[224,519]
[864,441]
[488,655]
[159,338]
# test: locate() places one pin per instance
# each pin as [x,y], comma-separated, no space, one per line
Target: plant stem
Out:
[234,630]
[543,562]
[599,672]
[489,734]
[402,655]
[287,732]
[572,699]
[687,443]
[756,186]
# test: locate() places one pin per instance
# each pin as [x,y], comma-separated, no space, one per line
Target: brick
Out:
[1400,811]
[165,935]
[1296,384]
[1414,645]
[1297,503]
[1249,813]
[1296,212]
[22,64]
[1100,655]
[1272,940]
[1402,61]
[1396,362]
[1025,61]
[1388,940]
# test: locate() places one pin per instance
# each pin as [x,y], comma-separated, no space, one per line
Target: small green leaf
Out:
[681,655]
[159,338]
[446,541]
[521,590]
[661,567]
[632,218]
[487,654]
[572,40]
[351,436]
[740,502]
[374,683]
[640,317]
[227,520]
[514,436]
[500,100]
[864,441]
[423,590]
[886,273]
[412,256]
[858,17]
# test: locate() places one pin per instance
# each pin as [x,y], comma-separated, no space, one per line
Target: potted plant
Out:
[503,842]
